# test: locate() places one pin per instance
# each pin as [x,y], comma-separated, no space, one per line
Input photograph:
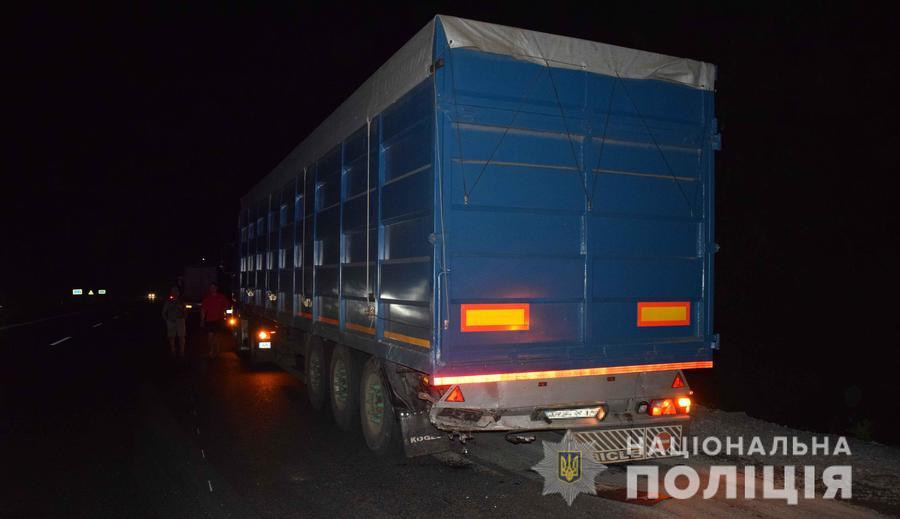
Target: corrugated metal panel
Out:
[407,178]
[582,195]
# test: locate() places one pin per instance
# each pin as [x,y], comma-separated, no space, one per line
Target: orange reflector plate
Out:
[587,372]
[666,313]
[456,395]
[425,343]
[495,317]
[360,328]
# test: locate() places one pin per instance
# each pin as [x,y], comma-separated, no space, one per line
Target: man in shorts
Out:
[174,312]
[212,317]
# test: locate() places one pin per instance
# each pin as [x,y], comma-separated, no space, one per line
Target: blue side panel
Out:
[262,250]
[346,249]
[359,231]
[285,218]
[406,259]
[580,194]
[327,237]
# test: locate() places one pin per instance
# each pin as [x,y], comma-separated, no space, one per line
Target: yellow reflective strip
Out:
[425,343]
[360,328]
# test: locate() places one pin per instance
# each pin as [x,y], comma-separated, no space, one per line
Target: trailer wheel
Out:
[316,387]
[379,423]
[344,383]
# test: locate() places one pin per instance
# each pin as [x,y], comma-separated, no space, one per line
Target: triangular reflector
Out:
[456,395]
[678,382]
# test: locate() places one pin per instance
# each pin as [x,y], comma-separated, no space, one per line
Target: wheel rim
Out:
[374,403]
[340,384]
[315,373]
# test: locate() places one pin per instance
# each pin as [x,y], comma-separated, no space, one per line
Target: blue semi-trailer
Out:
[501,230]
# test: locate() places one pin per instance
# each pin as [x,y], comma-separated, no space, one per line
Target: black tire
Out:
[316,376]
[376,411]
[343,381]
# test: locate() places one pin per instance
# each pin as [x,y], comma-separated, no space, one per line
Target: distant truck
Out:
[196,283]
[500,231]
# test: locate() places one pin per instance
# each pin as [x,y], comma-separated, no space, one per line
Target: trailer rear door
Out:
[576,216]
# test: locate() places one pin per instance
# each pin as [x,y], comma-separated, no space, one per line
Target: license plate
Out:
[265,345]
[563,414]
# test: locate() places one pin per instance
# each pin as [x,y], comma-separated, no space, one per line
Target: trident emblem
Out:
[569,466]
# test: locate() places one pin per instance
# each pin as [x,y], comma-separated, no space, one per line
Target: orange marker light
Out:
[495,317]
[263,335]
[232,322]
[669,406]
[662,407]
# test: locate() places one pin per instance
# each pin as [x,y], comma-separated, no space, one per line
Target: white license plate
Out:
[563,414]
[265,345]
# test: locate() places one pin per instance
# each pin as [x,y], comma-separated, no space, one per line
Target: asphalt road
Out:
[104,424]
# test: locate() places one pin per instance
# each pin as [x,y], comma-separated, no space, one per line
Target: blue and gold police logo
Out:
[566,470]
[569,466]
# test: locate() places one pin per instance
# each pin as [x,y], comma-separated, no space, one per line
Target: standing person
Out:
[212,317]
[174,312]
[179,282]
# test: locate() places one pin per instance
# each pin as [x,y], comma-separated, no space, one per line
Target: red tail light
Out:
[663,407]
[669,406]
[456,395]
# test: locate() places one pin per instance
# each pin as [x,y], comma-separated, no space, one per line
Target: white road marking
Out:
[210,484]
[97,325]
[38,321]
[64,339]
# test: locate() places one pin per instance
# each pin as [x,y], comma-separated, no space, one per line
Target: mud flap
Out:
[420,437]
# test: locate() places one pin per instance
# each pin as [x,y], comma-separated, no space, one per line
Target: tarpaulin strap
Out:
[528,92]
[442,275]
[456,122]
[612,92]
[658,147]
[703,141]
[303,246]
[562,114]
[368,208]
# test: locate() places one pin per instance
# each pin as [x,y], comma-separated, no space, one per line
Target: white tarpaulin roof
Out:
[410,65]
[565,52]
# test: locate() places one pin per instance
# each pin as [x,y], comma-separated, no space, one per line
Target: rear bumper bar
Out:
[519,405]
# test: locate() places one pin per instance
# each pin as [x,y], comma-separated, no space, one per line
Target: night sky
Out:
[134,132]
